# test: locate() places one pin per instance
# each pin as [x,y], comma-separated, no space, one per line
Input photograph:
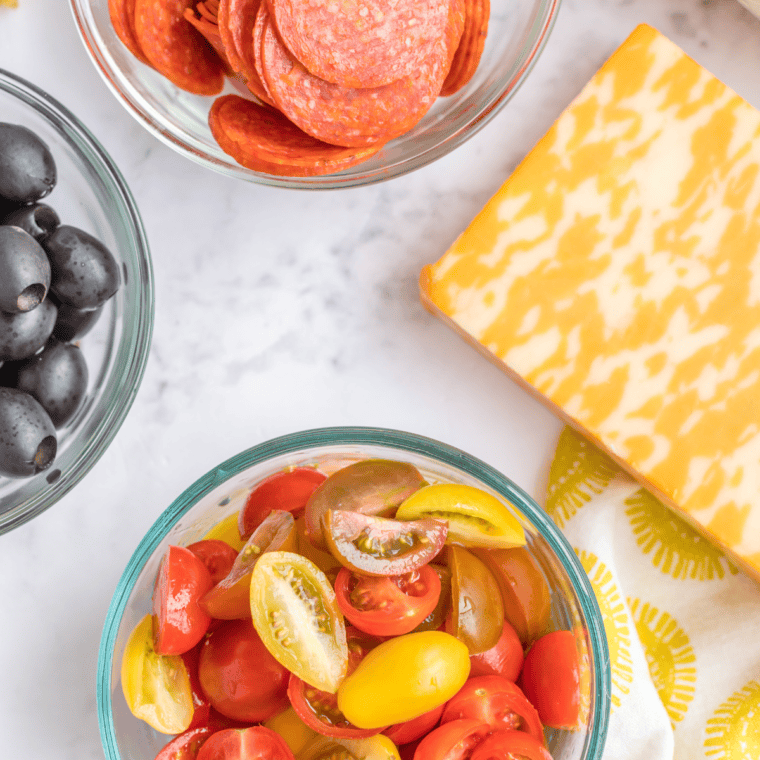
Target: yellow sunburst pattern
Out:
[733,731]
[670,657]
[675,547]
[616,622]
[578,472]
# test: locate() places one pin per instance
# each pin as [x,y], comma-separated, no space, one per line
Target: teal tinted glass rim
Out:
[133,354]
[347,436]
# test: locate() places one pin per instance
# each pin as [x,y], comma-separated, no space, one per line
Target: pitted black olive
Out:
[25,333]
[28,443]
[72,323]
[24,271]
[39,220]
[27,168]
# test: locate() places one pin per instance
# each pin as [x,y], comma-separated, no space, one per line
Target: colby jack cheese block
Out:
[616,274]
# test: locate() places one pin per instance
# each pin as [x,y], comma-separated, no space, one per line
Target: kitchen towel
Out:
[683,624]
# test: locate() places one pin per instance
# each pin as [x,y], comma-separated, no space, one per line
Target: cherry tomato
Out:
[452,741]
[291,728]
[376,747]
[182,580]
[501,745]
[379,545]
[551,680]
[227,530]
[218,557]
[230,599]
[288,491]
[436,618]
[156,687]
[496,701]
[477,612]
[524,591]
[186,746]
[504,659]
[404,677]
[201,704]
[411,730]
[297,616]
[239,676]
[388,605]
[475,517]
[371,487]
[253,743]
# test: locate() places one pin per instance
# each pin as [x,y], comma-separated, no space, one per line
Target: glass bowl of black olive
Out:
[76,300]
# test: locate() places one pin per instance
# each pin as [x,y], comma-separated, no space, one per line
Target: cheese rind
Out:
[617,274]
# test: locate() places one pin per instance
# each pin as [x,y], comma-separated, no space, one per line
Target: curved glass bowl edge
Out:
[357,436]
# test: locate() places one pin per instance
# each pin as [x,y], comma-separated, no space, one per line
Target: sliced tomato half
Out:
[411,730]
[187,745]
[245,744]
[455,740]
[507,744]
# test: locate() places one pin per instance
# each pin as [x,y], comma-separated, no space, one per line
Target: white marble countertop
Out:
[282,310]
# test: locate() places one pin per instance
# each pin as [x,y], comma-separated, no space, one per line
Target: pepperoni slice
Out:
[467,55]
[122,14]
[204,19]
[175,48]
[361,43]
[258,32]
[262,139]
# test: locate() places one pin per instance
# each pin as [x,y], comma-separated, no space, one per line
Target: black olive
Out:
[38,219]
[57,378]
[27,437]
[27,168]
[24,271]
[25,333]
[85,273]
[72,323]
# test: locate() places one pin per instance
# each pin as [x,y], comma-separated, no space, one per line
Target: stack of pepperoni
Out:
[333,82]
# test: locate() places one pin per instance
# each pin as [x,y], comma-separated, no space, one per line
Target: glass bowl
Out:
[223,491]
[518,30]
[90,194]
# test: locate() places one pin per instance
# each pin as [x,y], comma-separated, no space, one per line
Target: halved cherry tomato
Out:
[474,516]
[496,701]
[508,744]
[156,687]
[179,622]
[295,612]
[218,557]
[437,617]
[387,605]
[245,744]
[379,545]
[288,491]
[201,704]
[404,677]
[504,659]
[239,676]
[524,591]
[291,728]
[411,730]
[551,680]
[230,599]
[477,612]
[227,530]
[187,745]
[371,487]
[452,741]
[376,747]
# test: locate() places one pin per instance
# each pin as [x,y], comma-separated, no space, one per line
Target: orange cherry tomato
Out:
[387,605]
[218,557]
[179,621]
[506,744]
[245,744]
[496,701]
[551,680]
[288,491]
[452,741]
[411,730]
[504,659]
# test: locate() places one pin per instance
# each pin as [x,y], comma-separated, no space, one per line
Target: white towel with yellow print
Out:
[683,624]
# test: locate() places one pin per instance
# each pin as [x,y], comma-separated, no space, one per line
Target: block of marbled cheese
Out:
[616,275]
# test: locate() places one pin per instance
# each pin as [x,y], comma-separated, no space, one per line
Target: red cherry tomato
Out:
[411,730]
[506,744]
[288,490]
[202,711]
[187,745]
[239,676]
[452,741]
[387,605]
[505,659]
[253,743]
[551,679]
[179,622]
[496,701]
[218,557]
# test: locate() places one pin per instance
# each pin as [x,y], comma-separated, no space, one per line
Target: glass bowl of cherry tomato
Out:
[354,593]
[76,300]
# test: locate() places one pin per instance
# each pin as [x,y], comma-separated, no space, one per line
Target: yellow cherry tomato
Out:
[156,687]
[291,728]
[227,530]
[377,747]
[403,678]
[475,517]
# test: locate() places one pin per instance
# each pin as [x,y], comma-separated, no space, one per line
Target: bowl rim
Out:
[352,436]
[538,38]
[73,131]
